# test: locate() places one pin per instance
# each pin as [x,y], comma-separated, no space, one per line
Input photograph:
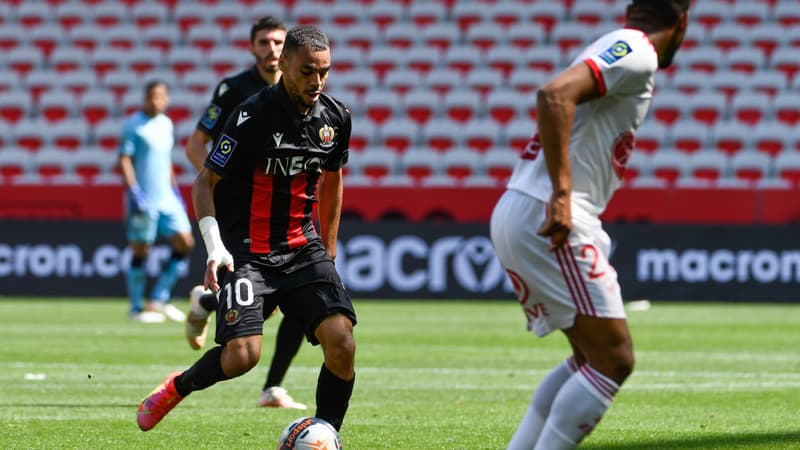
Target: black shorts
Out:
[306,288]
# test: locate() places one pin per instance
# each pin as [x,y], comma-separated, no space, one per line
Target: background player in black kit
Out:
[267,35]
[260,182]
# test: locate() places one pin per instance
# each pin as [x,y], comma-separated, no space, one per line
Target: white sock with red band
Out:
[578,407]
[531,425]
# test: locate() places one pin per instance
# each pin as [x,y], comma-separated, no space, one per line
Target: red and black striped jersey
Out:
[270,159]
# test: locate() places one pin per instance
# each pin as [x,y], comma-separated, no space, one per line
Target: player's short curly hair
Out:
[266,23]
[306,36]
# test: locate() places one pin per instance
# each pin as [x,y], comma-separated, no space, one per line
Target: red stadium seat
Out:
[146,14]
[441,134]
[503,105]
[402,35]
[70,14]
[689,136]
[183,59]
[750,108]
[56,105]
[402,81]
[707,165]
[669,107]
[547,14]
[545,58]
[461,105]
[650,137]
[15,105]
[66,59]
[109,14]
[730,137]
[786,13]
[786,110]
[227,14]
[441,35]
[710,14]
[499,163]
[750,166]
[163,37]
[13,164]
[96,106]
[707,107]
[385,14]
[31,134]
[484,80]
[481,135]
[425,14]
[205,36]
[423,59]
[669,165]
[106,134]
[12,36]
[444,80]
[188,15]
[398,134]
[525,35]
[378,163]
[420,105]
[33,14]
[518,133]
[23,60]
[787,167]
[70,134]
[381,61]
[419,163]
[727,36]
[485,36]
[749,14]
[380,106]
[771,138]
[460,163]
[767,37]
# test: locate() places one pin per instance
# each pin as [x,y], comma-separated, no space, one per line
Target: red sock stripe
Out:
[569,278]
[581,282]
[600,382]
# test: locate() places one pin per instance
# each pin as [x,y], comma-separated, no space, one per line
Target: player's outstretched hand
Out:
[558,223]
[218,259]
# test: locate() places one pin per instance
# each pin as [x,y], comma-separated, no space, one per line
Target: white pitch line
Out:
[760,377]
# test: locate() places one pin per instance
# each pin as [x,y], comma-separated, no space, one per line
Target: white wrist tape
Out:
[216,250]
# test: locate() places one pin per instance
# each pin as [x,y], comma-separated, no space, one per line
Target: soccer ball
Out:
[309,433]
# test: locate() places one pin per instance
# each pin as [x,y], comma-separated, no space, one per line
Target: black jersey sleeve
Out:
[235,143]
[341,154]
[225,99]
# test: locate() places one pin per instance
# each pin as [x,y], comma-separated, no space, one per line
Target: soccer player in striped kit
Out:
[546,228]
[267,35]
[280,152]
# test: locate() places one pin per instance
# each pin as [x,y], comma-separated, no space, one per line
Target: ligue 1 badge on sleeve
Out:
[326,135]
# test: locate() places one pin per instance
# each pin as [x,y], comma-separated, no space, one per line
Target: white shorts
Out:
[554,287]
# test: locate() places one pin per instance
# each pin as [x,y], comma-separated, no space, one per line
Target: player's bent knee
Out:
[240,355]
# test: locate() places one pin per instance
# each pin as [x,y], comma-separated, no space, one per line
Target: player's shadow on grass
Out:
[762,440]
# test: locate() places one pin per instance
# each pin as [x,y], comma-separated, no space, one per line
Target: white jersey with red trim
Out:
[623,63]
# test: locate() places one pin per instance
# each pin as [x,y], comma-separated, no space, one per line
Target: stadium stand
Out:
[452,76]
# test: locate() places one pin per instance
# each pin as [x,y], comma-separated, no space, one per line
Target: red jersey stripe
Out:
[260,210]
[297,211]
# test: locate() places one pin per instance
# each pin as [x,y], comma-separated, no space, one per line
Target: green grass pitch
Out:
[430,375]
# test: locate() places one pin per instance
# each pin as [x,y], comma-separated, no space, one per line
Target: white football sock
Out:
[532,422]
[577,408]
